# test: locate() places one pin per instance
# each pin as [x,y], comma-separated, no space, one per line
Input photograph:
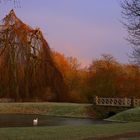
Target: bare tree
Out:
[131,14]
[15,2]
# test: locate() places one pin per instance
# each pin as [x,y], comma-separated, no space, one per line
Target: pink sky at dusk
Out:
[85,29]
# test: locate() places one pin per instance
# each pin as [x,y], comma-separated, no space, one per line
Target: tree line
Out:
[30,70]
[104,77]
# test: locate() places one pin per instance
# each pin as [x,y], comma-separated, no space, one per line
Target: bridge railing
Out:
[136,102]
[124,102]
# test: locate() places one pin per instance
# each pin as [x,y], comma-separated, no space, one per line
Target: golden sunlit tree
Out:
[26,64]
[74,75]
[129,82]
[103,74]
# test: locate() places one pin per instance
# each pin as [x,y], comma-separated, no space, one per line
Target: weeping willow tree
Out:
[27,69]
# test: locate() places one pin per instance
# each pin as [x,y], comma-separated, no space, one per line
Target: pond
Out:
[17,120]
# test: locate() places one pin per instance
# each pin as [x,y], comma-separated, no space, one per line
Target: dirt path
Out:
[116,137]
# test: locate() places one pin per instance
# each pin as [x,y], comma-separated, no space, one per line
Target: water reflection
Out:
[12,120]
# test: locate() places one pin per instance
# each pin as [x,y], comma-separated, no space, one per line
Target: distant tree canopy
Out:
[108,78]
[70,68]
[27,69]
[103,76]
[131,15]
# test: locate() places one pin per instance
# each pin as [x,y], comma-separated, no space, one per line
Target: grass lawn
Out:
[51,109]
[131,115]
[67,132]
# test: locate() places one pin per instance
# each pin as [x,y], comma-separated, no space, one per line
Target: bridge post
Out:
[96,100]
[132,102]
[125,101]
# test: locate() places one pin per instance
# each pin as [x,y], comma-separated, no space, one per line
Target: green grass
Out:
[131,115]
[51,109]
[66,132]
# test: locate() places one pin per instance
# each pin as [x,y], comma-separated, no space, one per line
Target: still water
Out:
[17,120]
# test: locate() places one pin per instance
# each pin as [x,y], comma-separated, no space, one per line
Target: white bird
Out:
[35,122]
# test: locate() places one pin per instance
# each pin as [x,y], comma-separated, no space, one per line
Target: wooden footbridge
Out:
[117,102]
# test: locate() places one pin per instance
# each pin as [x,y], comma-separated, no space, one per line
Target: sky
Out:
[85,29]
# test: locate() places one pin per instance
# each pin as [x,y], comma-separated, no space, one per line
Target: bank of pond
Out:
[59,114]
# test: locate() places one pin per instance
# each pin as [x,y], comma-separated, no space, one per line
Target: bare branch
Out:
[131,15]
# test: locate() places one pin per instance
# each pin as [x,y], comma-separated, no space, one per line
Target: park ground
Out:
[130,130]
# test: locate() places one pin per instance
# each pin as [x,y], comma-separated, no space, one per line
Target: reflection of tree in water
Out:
[26,64]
